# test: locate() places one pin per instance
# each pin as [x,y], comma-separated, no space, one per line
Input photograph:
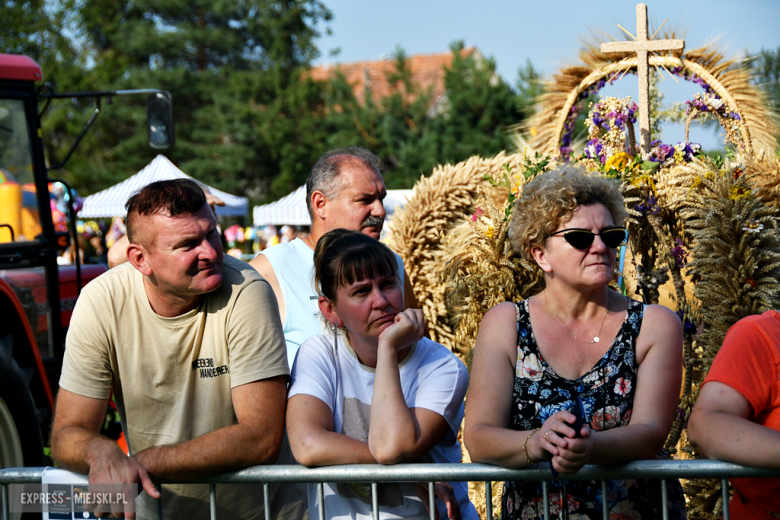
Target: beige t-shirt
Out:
[172,377]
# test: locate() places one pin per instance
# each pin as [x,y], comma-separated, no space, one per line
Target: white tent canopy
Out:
[111,201]
[291,209]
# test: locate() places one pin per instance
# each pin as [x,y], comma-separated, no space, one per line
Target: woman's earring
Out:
[336,323]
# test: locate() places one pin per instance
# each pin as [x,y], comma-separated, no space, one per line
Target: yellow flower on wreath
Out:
[489,232]
[740,192]
[620,161]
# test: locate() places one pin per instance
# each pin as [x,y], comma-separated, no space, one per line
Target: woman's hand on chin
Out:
[408,327]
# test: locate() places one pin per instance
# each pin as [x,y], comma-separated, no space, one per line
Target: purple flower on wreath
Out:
[679,254]
[595,150]
[667,149]
[620,119]
[650,206]
[681,416]
[689,327]
[632,113]
[565,153]
[697,104]
[687,149]
[597,119]
[659,152]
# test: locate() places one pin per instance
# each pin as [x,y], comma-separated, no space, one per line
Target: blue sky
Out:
[546,32]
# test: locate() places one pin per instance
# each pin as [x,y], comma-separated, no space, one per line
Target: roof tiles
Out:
[427,71]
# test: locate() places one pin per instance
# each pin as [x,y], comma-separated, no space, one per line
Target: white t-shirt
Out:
[431,378]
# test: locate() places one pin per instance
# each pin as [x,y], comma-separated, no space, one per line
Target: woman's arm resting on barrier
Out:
[312,439]
[658,380]
[488,407]
[398,433]
[720,428]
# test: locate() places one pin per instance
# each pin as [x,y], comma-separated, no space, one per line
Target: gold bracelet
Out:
[525,446]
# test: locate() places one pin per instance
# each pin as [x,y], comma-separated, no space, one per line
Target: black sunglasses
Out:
[582,238]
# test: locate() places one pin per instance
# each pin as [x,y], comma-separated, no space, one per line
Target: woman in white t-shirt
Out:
[374,389]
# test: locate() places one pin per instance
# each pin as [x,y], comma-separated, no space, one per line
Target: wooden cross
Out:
[642,45]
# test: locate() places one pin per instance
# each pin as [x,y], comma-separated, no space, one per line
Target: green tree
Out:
[481,108]
[410,135]
[394,127]
[243,114]
[34,28]
[766,70]
[529,87]
[766,67]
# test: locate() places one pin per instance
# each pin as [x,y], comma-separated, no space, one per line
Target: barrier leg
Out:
[266,502]
[432,500]
[546,493]
[604,500]
[160,505]
[213,501]
[489,500]
[6,503]
[375,501]
[321,499]
[665,499]
[724,487]
[564,500]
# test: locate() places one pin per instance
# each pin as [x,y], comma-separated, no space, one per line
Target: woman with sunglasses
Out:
[374,390]
[577,339]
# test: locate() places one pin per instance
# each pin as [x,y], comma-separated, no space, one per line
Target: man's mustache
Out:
[372,221]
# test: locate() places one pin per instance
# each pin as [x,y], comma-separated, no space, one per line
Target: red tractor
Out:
[36,295]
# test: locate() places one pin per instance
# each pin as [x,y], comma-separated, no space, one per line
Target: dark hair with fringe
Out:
[343,257]
[172,198]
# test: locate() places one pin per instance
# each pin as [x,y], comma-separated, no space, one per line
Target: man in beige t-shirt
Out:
[192,344]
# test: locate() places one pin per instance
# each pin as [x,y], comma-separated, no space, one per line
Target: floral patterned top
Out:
[607,392]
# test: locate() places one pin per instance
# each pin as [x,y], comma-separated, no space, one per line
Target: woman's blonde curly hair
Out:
[551,199]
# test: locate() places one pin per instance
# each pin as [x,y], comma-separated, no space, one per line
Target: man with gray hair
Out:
[345,190]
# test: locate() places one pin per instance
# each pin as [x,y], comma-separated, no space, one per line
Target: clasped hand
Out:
[556,438]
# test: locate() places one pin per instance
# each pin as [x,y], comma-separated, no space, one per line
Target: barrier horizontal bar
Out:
[656,469]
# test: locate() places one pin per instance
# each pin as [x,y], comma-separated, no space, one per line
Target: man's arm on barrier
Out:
[720,428]
[256,439]
[259,407]
[78,446]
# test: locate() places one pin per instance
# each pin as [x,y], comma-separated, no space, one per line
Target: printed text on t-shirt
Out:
[207,368]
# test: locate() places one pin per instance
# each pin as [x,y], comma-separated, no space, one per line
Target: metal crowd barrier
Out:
[374,473]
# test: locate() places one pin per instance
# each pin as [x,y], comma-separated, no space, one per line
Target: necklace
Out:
[596,339]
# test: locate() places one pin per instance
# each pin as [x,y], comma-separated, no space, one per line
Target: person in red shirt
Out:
[737,414]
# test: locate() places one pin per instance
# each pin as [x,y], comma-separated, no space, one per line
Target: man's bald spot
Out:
[343,163]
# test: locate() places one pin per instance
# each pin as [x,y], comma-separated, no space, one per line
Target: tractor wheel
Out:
[21,443]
